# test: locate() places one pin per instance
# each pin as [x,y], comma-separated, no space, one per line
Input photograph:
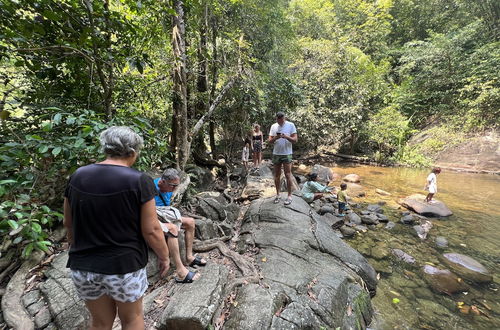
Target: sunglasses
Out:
[173,184]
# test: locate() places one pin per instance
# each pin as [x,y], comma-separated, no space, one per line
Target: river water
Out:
[404,300]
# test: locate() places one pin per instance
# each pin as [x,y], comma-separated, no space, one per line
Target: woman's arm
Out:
[154,236]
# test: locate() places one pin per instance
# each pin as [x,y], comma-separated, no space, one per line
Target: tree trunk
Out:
[201,85]
[211,131]
[179,102]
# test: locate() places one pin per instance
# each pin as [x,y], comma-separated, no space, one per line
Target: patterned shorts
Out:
[257,146]
[125,288]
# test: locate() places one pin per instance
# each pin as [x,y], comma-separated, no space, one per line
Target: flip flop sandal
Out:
[197,262]
[277,200]
[288,201]
[188,279]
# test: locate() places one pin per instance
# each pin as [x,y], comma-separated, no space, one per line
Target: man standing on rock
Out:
[282,133]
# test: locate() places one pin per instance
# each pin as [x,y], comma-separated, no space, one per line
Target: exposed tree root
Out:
[246,267]
[14,313]
[8,270]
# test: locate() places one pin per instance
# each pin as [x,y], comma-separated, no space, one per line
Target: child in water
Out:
[431,184]
[245,153]
[313,190]
[342,198]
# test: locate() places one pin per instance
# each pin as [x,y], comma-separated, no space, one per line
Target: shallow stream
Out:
[404,300]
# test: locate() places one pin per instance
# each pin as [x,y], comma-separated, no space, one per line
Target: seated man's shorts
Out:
[124,288]
[282,159]
[169,214]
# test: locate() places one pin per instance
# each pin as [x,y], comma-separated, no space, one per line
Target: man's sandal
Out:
[277,199]
[198,261]
[288,201]
[187,279]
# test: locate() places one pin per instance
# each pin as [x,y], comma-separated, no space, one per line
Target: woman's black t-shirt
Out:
[106,205]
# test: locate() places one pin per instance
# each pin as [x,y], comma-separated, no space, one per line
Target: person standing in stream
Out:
[283,134]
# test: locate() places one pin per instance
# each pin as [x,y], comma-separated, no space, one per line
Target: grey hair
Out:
[120,141]
[170,174]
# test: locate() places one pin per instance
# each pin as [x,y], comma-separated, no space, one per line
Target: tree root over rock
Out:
[244,264]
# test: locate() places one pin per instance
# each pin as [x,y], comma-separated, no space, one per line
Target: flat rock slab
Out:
[309,275]
[192,305]
[416,203]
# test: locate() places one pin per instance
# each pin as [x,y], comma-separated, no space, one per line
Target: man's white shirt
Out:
[282,146]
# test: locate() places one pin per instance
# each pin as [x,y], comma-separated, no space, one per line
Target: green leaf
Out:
[43,149]
[13,224]
[56,151]
[36,227]
[27,250]
[36,137]
[17,240]
[57,118]
[42,246]
[8,181]
[70,120]
[45,209]
[19,215]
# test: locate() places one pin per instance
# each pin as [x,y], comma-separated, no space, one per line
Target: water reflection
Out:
[473,230]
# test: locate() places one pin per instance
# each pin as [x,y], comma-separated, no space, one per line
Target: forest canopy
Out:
[192,76]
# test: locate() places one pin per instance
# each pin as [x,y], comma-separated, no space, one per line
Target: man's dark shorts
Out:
[281,159]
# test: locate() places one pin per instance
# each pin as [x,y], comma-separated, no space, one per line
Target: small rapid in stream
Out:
[404,299]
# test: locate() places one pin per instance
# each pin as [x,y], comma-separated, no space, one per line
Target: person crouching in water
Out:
[312,189]
[342,199]
[431,184]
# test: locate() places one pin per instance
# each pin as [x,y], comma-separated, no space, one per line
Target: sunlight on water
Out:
[473,230]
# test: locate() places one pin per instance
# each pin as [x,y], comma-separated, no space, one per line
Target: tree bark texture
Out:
[179,103]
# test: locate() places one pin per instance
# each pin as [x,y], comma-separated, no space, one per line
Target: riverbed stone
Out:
[355,190]
[417,204]
[327,209]
[382,192]
[325,174]
[382,217]
[353,218]
[347,231]
[354,178]
[467,267]
[369,219]
[443,280]
[390,225]
[403,256]
[441,242]
[375,208]
[408,219]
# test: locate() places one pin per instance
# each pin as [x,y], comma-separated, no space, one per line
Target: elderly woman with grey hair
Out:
[110,217]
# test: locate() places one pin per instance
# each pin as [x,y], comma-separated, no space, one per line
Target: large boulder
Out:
[355,190]
[417,204]
[442,280]
[354,178]
[325,174]
[467,267]
[309,274]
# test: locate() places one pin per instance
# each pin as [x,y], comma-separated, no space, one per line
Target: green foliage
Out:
[42,149]
[389,129]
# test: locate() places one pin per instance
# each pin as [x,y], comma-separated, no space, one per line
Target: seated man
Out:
[173,221]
